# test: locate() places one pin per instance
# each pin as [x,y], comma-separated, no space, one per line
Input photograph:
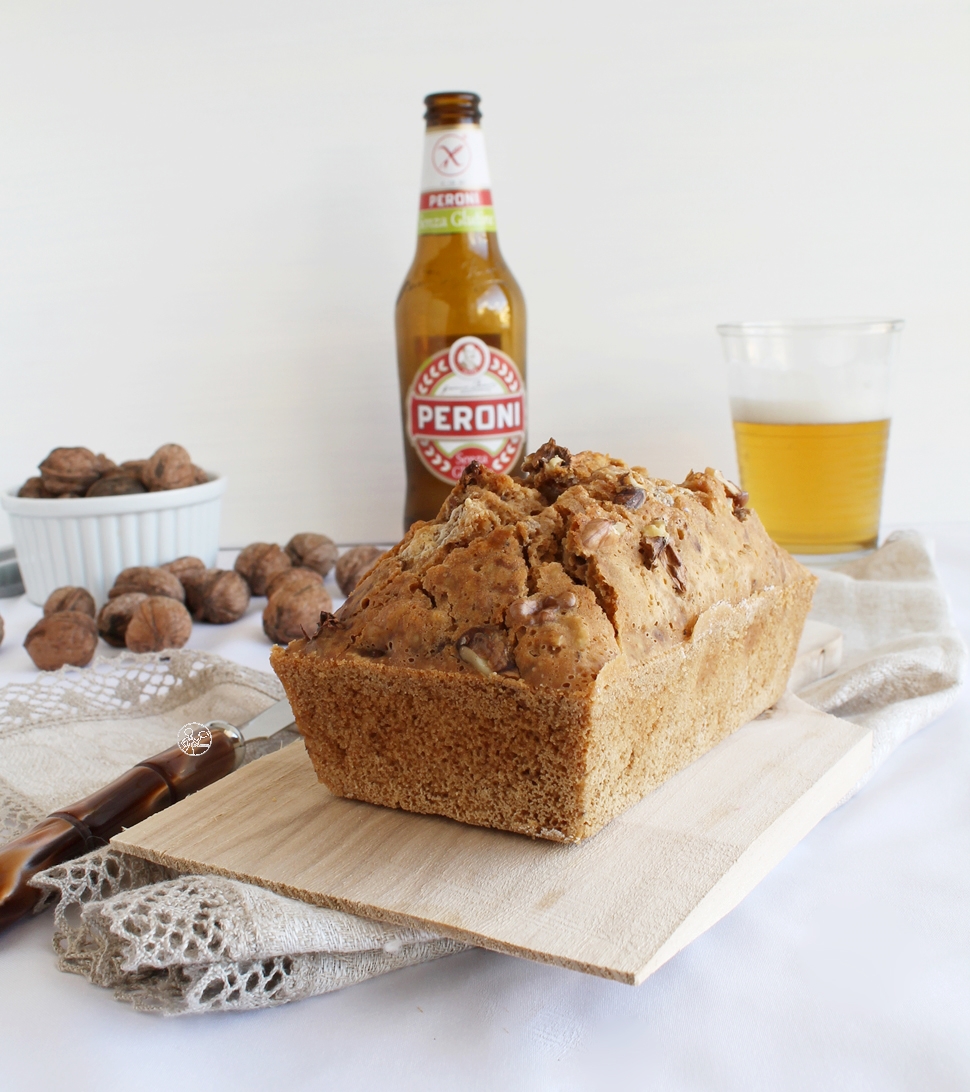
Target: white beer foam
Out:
[860,406]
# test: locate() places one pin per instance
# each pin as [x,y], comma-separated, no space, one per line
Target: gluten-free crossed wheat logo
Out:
[451,155]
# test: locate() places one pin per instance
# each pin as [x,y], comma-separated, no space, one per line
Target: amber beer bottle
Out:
[460,319]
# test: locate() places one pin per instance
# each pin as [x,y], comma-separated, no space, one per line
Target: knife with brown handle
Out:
[146,788]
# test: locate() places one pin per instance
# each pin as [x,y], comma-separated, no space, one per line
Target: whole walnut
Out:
[70,599]
[33,487]
[216,595]
[352,565]
[135,467]
[147,579]
[116,485]
[295,612]
[183,565]
[312,552]
[169,468]
[156,623]
[259,563]
[201,476]
[67,637]
[291,579]
[114,616]
[71,471]
[192,581]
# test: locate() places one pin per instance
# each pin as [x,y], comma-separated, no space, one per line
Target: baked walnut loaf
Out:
[549,648]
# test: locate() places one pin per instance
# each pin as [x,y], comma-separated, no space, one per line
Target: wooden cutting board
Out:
[618,905]
[819,654]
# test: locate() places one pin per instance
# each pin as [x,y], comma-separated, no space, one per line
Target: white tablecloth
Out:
[848,967]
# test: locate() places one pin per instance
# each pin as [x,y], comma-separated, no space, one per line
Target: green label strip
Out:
[456,221]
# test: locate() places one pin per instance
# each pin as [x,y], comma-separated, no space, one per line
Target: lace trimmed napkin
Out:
[163,942]
[179,944]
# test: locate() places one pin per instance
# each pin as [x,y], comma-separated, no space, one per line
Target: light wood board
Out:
[819,654]
[618,905]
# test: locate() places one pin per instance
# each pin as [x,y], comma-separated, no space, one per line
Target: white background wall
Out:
[206,210]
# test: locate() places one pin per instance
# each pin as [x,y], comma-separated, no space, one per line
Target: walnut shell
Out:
[33,487]
[259,563]
[184,565]
[193,581]
[293,613]
[151,581]
[115,485]
[69,598]
[219,596]
[67,637]
[114,616]
[156,623]
[292,579]
[70,471]
[352,565]
[169,468]
[312,551]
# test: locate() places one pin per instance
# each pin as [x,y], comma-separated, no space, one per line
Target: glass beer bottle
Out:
[460,319]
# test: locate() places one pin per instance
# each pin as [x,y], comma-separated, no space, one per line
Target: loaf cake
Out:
[549,648]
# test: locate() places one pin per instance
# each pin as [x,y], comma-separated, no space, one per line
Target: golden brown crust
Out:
[549,762]
[520,617]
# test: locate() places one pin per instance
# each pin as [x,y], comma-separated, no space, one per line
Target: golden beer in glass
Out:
[810,403]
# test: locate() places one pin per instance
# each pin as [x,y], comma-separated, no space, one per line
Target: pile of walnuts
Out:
[291,578]
[147,611]
[78,472]
[152,608]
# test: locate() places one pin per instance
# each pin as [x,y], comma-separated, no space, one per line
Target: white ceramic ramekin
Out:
[87,541]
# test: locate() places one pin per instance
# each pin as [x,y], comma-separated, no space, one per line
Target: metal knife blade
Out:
[272,720]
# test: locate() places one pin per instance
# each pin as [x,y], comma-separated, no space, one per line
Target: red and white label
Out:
[456,199]
[456,194]
[467,404]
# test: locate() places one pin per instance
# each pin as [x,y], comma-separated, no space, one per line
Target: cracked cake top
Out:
[548,576]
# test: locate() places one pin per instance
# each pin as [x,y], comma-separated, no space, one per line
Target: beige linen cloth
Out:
[164,942]
[185,944]
[903,660]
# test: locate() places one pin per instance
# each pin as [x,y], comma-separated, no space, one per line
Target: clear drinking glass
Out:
[810,405]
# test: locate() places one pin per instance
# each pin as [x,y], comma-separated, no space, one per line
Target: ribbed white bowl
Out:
[87,541]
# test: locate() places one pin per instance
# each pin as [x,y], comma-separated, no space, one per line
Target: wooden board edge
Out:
[819,654]
[765,853]
[751,865]
[374,913]
[744,875]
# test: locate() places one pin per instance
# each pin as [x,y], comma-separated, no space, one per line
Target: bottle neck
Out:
[456,189]
[481,244]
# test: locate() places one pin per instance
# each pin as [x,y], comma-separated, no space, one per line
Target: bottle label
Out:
[456,193]
[466,404]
